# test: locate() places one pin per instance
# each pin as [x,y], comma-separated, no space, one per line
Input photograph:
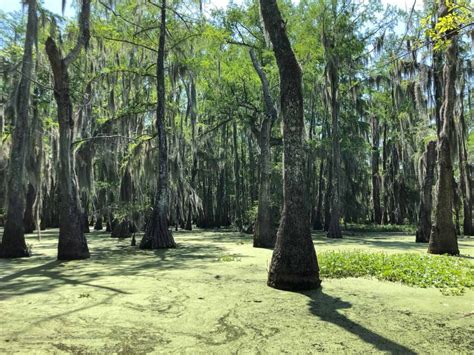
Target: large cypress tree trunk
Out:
[237,180]
[427,162]
[375,158]
[252,172]
[221,193]
[332,100]
[33,166]
[393,186]
[72,242]
[122,228]
[385,183]
[13,242]
[334,230]
[317,222]
[193,115]
[438,88]
[264,235]
[294,265]
[464,171]
[443,238]
[157,234]
[28,218]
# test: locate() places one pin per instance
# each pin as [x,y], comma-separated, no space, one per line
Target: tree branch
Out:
[84,33]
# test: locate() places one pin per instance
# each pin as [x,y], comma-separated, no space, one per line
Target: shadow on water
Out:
[107,260]
[327,308]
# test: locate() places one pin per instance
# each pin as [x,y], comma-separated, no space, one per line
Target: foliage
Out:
[459,15]
[451,274]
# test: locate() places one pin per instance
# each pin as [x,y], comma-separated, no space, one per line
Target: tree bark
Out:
[438,88]
[464,171]
[317,222]
[221,194]
[427,162]
[157,234]
[334,230]
[264,235]
[34,166]
[443,238]
[294,265]
[375,158]
[13,242]
[193,115]
[237,180]
[327,195]
[98,223]
[385,175]
[72,241]
[28,218]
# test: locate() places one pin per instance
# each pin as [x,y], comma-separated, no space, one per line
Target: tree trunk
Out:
[28,218]
[375,157]
[294,265]
[157,234]
[237,180]
[13,242]
[327,195]
[264,235]
[464,171]
[38,157]
[427,162]
[252,169]
[99,223]
[385,175]
[72,242]
[122,229]
[438,88]
[33,166]
[193,116]
[334,230]
[317,222]
[443,234]
[221,198]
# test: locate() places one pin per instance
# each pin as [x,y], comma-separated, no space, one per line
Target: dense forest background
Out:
[139,110]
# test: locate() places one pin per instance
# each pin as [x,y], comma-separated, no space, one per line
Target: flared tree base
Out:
[68,256]
[98,224]
[317,225]
[443,240]
[294,265]
[334,232]
[263,243]
[13,244]
[264,236]
[13,253]
[293,282]
[73,246]
[162,241]
[122,230]
[157,235]
[421,238]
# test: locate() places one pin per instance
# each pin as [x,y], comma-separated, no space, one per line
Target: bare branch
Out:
[84,33]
